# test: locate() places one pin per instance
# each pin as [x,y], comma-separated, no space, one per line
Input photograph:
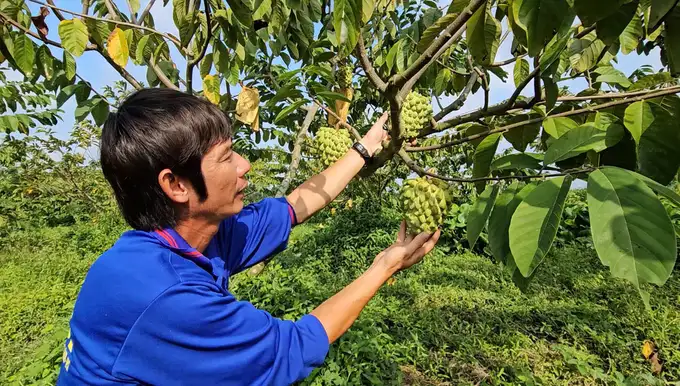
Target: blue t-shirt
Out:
[153,310]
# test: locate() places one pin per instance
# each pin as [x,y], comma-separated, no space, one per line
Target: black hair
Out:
[155,129]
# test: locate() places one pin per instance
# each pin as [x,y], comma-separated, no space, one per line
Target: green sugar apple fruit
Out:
[344,76]
[331,144]
[416,112]
[423,205]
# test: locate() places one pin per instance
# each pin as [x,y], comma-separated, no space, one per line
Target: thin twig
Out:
[132,14]
[15,23]
[161,75]
[507,61]
[57,13]
[95,91]
[112,10]
[441,41]
[145,12]
[368,67]
[421,171]
[193,62]
[86,7]
[485,85]
[585,32]
[460,101]
[589,109]
[165,35]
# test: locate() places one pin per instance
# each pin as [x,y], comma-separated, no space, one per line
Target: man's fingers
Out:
[417,242]
[426,247]
[401,236]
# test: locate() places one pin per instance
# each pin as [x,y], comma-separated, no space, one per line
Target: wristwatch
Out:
[362,151]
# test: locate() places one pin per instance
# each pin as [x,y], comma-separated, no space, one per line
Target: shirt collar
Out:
[172,240]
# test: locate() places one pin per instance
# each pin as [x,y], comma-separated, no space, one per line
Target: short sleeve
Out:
[195,334]
[257,232]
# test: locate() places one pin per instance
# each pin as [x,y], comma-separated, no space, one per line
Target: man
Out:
[155,308]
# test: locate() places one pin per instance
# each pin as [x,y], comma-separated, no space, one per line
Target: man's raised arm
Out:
[317,192]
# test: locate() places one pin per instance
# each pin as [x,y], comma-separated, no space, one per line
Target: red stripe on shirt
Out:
[168,238]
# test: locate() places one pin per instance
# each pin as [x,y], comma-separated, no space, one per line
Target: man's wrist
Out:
[371,149]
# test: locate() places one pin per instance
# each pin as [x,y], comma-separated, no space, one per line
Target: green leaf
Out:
[483,35]
[556,127]
[241,12]
[205,65]
[582,139]
[658,155]
[46,61]
[551,92]
[85,108]
[134,6]
[98,30]
[264,9]
[630,38]
[541,18]
[67,92]
[431,33]
[74,36]
[534,224]
[585,52]
[69,65]
[659,10]
[521,71]
[143,50]
[672,41]
[499,221]
[480,213]
[457,6]
[100,112]
[347,16]
[610,75]
[220,57]
[24,54]
[367,10]
[638,117]
[521,137]
[670,194]
[482,159]
[631,230]
[333,96]
[211,88]
[652,80]
[589,11]
[289,109]
[610,28]
[602,120]
[517,161]
[553,51]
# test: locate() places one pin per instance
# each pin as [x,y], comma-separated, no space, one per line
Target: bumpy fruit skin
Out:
[415,113]
[331,144]
[423,205]
[344,76]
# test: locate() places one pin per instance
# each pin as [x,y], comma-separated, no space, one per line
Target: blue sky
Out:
[92,67]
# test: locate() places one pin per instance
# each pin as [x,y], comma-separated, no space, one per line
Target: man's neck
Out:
[197,233]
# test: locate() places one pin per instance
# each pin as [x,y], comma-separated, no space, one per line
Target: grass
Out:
[454,319]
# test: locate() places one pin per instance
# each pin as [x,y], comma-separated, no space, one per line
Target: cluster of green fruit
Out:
[343,76]
[331,144]
[423,205]
[415,113]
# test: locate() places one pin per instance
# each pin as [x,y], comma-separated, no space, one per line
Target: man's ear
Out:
[173,187]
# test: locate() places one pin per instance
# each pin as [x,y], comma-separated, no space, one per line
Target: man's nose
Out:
[243,166]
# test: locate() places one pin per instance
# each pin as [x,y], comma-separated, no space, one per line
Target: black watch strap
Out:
[362,151]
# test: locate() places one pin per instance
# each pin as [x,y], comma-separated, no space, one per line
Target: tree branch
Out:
[506,62]
[422,172]
[537,81]
[123,72]
[132,14]
[493,110]
[589,109]
[57,13]
[297,149]
[165,35]
[86,7]
[145,12]
[485,86]
[368,67]
[112,10]
[585,32]
[15,23]
[460,101]
[161,75]
[434,50]
[193,62]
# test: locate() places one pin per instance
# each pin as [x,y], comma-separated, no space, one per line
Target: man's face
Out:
[224,173]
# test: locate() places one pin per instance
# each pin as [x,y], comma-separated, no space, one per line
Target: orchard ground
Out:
[455,319]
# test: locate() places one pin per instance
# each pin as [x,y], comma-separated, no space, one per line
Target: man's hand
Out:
[407,251]
[372,141]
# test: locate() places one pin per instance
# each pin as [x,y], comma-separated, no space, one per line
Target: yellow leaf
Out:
[211,88]
[348,204]
[332,211]
[247,105]
[647,349]
[391,280]
[117,47]
[341,107]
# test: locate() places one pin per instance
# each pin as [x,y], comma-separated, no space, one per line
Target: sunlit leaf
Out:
[483,157]
[480,213]
[211,88]
[483,35]
[639,116]
[117,47]
[499,221]
[74,36]
[582,139]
